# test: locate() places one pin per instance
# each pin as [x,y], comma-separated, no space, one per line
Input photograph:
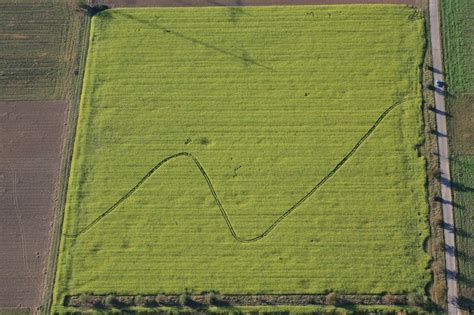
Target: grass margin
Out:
[73,93]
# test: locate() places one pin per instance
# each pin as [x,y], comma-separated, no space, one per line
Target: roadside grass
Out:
[458,40]
[38,48]
[268,100]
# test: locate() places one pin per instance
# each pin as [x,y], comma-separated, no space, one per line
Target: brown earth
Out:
[461,111]
[31,139]
[207,3]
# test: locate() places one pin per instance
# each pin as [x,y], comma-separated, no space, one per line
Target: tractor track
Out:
[216,197]
[242,3]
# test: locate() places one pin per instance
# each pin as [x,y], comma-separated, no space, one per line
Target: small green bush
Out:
[389,299]
[110,300]
[415,299]
[160,299]
[438,220]
[83,299]
[138,300]
[97,302]
[212,298]
[184,299]
[149,301]
[332,299]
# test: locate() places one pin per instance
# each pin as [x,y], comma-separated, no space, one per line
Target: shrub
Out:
[149,301]
[160,299]
[415,299]
[439,291]
[212,298]
[184,299]
[438,268]
[438,220]
[110,300]
[138,300]
[389,299]
[332,299]
[434,172]
[83,299]
[439,245]
[90,9]
[97,302]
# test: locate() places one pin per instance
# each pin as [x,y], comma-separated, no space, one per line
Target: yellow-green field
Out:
[249,150]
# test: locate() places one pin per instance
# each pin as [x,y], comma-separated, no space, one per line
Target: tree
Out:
[90,9]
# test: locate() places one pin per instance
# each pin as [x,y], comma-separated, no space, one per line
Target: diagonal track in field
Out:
[243,58]
[216,197]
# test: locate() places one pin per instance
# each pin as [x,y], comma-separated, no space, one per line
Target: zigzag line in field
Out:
[216,197]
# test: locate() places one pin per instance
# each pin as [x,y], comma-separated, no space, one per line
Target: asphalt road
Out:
[446,193]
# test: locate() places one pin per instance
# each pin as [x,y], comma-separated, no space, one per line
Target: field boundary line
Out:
[244,3]
[216,197]
[445,175]
[68,146]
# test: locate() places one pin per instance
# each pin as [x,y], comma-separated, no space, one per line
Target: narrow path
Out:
[19,219]
[446,193]
[217,200]
[238,3]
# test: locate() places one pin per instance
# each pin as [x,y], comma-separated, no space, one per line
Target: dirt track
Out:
[207,3]
[31,135]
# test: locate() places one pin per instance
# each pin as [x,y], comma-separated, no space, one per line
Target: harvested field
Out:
[38,48]
[200,129]
[31,135]
[15,311]
[212,3]
[460,120]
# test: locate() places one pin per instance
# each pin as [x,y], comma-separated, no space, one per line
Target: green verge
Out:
[269,100]
[458,40]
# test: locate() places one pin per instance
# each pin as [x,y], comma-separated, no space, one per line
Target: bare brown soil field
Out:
[461,110]
[31,139]
[207,3]
[38,51]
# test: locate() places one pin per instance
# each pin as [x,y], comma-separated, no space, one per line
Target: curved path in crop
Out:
[216,197]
